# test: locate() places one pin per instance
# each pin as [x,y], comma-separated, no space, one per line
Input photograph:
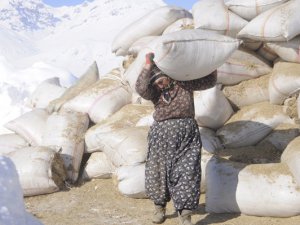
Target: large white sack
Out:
[124,147]
[242,65]
[181,24]
[11,142]
[192,54]
[291,156]
[251,124]
[30,126]
[45,92]
[153,23]
[215,15]
[281,23]
[98,166]
[257,190]
[101,99]
[127,116]
[248,9]
[64,131]
[287,50]
[141,43]
[284,82]
[210,142]
[41,170]
[248,92]
[212,109]
[131,181]
[86,79]
[281,136]
[12,206]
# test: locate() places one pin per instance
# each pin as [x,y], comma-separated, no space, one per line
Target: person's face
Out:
[162,82]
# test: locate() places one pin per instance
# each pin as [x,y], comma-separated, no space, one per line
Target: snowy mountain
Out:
[38,41]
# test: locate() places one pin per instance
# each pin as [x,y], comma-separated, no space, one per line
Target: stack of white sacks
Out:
[248,122]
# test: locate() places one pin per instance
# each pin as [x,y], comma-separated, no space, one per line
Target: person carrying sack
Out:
[173,163]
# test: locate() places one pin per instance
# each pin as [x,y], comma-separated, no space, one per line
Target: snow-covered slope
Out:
[38,41]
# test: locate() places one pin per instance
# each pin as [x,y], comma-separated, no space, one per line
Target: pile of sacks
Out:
[249,122]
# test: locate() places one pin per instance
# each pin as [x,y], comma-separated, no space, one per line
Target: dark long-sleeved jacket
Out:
[182,98]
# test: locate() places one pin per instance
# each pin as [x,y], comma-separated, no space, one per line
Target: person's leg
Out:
[155,173]
[185,172]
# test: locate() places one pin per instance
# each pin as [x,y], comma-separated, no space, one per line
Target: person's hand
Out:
[149,58]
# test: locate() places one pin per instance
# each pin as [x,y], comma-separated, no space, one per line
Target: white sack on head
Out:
[192,54]
[251,124]
[124,147]
[215,15]
[291,156]
[248,92]
[11,142]
[98,166]
[212,109]
[181,24]
[30,126]
[281,23]
[288,51]
[126,117]
[101,99]
[141,43]
[12,205]
[281,136]
[257,190]
[242,65]
[64,132]
[131,181]
[45,92]
[249,9]
[284,82]
[153,23]
[86,80]
[41,170]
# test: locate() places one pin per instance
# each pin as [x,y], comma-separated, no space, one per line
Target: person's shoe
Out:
[159,214]
[185,217]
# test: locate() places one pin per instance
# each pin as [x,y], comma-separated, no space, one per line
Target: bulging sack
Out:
[192,54]
[251,124]
[41,170]
[181,24]
[64,132]
[212,109]
[233,188]
[11,142]
[248,92]
[153,23]
[288,51]
[242,65]
[281,23]
[249,9]
[284,81]
[215,15]
[291,157]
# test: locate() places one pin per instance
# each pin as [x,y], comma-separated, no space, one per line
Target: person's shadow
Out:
[213,218]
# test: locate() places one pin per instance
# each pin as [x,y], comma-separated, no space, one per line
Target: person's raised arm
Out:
[143,86]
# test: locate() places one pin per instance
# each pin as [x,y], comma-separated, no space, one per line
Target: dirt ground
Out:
[98,202]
